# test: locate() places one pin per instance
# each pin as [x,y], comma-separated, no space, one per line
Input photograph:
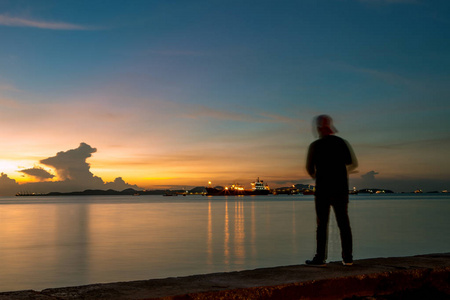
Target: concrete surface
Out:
[379,278]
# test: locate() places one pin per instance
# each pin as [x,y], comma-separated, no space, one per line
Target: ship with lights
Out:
[258,188]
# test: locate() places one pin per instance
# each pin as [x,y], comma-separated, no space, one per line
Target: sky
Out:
[160,94]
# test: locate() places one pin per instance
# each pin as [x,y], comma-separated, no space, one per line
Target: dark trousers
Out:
[340,207]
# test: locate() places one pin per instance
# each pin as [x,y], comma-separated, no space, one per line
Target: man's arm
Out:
[353,164]
[310,167]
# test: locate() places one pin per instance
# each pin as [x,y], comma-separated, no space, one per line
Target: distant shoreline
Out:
[133,192]
[127,192]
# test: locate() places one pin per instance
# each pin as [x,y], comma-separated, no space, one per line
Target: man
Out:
[329,160]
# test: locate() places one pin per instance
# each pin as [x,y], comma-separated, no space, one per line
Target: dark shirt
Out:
[327,161]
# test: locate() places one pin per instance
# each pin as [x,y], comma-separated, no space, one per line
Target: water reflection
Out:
[257,233]
[44,239]
[209,242]
[239,231]
[226,252]
[294,229]
[72,242]
[64,242]
[253,230]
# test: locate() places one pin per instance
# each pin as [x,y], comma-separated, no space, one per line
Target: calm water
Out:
[64,241]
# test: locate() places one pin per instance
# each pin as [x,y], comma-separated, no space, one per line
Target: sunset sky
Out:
[177,93]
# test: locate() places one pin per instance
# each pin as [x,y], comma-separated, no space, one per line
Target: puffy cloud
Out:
[119,184]
[38,173]
[73,175]
[8,186]
[369,175]
[72,165]
[368,180]
[5,180]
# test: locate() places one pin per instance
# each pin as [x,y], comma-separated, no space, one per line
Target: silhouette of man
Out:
[329,160]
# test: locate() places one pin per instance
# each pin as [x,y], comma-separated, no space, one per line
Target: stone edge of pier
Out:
[412,277]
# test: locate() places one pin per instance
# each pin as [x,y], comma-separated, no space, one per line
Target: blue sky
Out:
[182,92]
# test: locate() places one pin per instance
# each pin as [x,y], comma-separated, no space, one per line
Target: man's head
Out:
[324,125]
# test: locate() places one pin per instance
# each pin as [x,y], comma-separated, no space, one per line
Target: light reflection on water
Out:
[64,241]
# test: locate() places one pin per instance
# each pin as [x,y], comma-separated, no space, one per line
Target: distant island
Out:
[129,192]
[201,190]
[375,191]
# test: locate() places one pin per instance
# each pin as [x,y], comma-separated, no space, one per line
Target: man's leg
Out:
[342,219]
[322,214]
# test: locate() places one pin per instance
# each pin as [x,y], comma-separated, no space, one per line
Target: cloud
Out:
[6,181]
[21,22]
[119,184]
[72,165]
[403,184]
[202,111]
[177,53]
[270,117]
[387,77]
[38,173]
[8,186]
[389,1]
[370,176]
[207,112]
[73,175]
[367,180]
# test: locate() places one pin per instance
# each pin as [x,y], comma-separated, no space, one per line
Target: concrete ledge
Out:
[379,278]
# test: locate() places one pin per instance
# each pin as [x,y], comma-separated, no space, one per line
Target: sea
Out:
[48,242]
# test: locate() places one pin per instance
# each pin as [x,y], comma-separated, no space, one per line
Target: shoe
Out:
[316,262]
[347,263]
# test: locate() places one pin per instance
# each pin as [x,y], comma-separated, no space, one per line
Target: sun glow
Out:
[157,178]
[7,166]
[12,168]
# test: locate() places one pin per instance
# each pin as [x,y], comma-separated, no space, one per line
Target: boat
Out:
[258,188]
[353,192]
[169,194]
[286,191]
[308,192]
